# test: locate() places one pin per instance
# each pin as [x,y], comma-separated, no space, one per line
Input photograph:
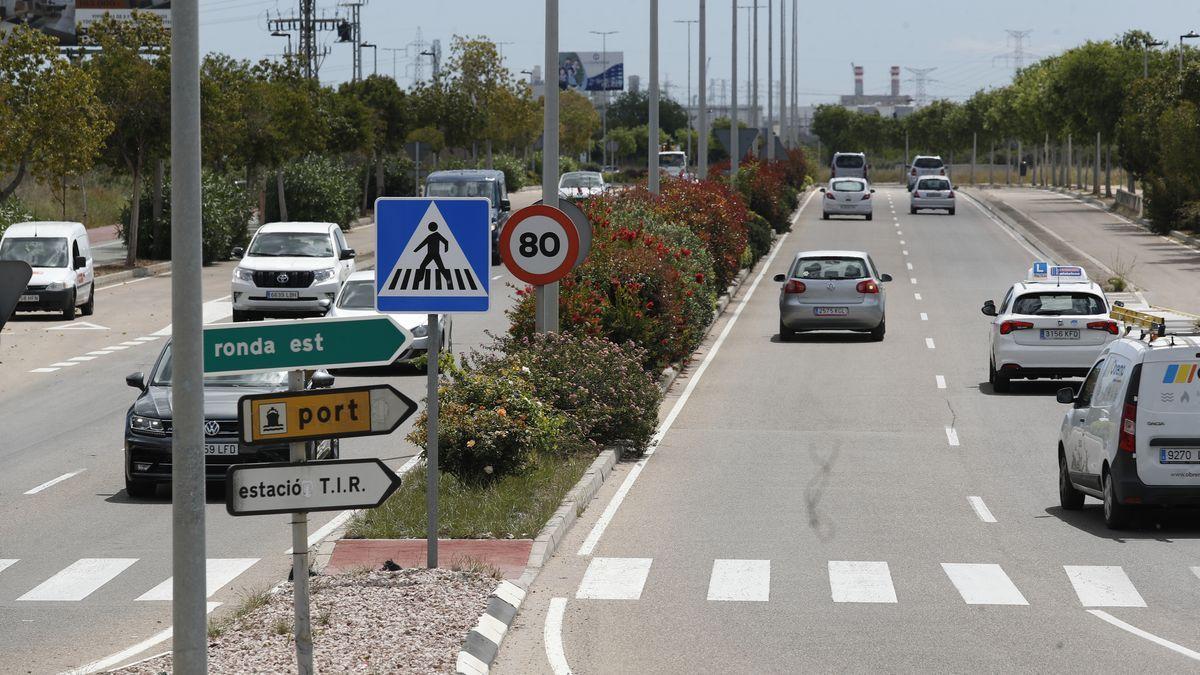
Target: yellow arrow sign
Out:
[334,413]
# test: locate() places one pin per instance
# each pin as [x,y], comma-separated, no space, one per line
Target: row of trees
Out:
[1142,105]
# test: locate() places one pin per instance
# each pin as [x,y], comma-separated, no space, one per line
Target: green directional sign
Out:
[303,344]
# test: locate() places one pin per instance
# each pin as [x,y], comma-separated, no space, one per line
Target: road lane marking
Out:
[100,352]
[1162,642]
[941,381]
[740,580]
[902,242]
[65,364]
[6,563]
[908,264]
[496,278]
[54,481]
[593,538]
[917,296]
[1021,241]
[552,637]
[147,338]
[912,280]
[43,370]
[78,325]
[983,584]
[899,233]
[218,572]
[952,437]
[78,580]
[905,251]
[924,316]
[123,655]
[211,312]
[981,509]
[860,581]
[929,343]
[131,343]
[82,358]
[1103,586]
[614,579]
[115,348]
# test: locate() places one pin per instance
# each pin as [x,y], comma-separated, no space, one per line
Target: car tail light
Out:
[1007,327]
[833,172]
[1127,440]
[914,171]
[1110,326]
[942,172]
[829,195]
[867,286]
[951,195]
[916,194]
[794,286]
[866,196]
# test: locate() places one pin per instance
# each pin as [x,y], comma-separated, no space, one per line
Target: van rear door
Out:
[1168,417]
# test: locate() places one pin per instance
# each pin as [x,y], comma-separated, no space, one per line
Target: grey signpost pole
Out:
[546,296]
[767,121]
[734,151]
[304,648]
[702,149]
[188,611]
[652,144]
[431,441]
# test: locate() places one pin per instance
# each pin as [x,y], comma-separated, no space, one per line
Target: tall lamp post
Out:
[1146,55]
[375,56]
[282,34]
[1191,35]
[604,116]
[688,107]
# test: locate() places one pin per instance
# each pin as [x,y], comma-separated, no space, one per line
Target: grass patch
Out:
[514,507]
[106,197]
[474,565]
[251,600]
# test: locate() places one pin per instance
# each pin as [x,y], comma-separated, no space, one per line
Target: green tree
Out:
[632,109]
[577,121]
[391,118]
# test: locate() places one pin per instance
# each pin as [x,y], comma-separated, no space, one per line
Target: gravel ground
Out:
[410,621]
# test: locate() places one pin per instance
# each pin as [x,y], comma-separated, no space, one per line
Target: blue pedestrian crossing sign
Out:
[433,256]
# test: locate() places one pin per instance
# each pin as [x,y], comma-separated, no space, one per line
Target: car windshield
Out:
[580,180]
[1053,303]
[928,163]
[358,295]
[277,378]
[848,186]
[834,268]
[849,161]
[37,251]
[459,188]
[673,160]
[291,244]
[938,184]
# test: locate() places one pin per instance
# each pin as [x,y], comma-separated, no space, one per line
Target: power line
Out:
[920,78]
[1017,56]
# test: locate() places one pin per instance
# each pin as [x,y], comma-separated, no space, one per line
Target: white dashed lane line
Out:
[981,509]
[929,343]
[909,265]
[53,482]
[952,437]
[44,370]
[65,364]
[912,280]
[941,381]
[924,316]
[917,296]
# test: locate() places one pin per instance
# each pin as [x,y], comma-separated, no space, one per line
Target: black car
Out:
[148,425]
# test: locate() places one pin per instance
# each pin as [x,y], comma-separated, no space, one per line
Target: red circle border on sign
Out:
[559,217]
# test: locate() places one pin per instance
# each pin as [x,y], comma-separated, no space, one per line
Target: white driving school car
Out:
[1051,325]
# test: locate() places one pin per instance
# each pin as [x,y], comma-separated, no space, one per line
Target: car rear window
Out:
[847,186]
[936,184]
[928,163]
[1057,303]
[835,267]
[848,161]
[358,295]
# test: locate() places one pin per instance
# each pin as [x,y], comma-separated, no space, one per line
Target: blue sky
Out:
[961,39]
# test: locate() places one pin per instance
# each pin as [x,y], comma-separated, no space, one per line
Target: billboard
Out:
[65,19]
[591,71]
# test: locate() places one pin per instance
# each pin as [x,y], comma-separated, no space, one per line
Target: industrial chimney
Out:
[858,80]
[895,80]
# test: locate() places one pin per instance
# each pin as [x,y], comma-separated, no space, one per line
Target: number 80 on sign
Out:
[539,244]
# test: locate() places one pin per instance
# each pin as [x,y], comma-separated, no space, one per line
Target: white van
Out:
[64,274]
[1132,436]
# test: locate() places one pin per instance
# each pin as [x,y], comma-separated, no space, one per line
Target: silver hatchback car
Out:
[932,192]
[832,290]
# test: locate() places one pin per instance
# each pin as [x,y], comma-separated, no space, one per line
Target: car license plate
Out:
[221,449]
[28,298]
[1179,455]
[283,295]
[847,206]
[831,311]
[1060,333]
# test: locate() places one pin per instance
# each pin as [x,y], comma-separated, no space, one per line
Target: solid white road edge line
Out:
[54,481]
[1007,230]
[110,661]
[1162,642]
[981,509]
[552,637]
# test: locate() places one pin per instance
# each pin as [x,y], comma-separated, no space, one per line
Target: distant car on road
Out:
[832,290]
[357,298]
[847,197]
[475,183]
[63,270]
[925,165]
[932,192]
[581,184]
[849,165]
[291,269]
[148,425]
[673,162]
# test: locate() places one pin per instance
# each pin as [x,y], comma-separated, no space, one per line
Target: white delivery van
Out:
[64,274]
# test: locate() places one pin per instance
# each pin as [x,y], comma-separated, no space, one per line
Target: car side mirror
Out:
[505,205]
[321,380]
[822,189]
[239,252]
[80,262]
[780,278]
[885,278]
[1119,303]
[136,380]
[347,254]
[1066,395]
[872,190]
[989,308]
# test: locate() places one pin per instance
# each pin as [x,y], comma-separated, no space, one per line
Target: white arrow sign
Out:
[330,485]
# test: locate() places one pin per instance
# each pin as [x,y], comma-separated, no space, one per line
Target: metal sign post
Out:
[303,628]
[431,442]
[546,295]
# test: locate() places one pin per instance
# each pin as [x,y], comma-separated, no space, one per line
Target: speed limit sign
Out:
[539,244]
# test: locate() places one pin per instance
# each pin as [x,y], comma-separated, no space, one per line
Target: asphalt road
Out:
[834,504]
[82,536]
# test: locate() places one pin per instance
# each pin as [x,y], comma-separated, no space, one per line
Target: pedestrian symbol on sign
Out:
[432,264]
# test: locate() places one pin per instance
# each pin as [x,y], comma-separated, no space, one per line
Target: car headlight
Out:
[324,275]
[147,424]
[420,331]
[242,274]
[56,286]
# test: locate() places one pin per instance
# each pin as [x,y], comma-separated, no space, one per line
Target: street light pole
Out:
[702,151]
[652,145]
[1146,55]
[1191,35]
[688,107]
[375,56]
[754,75]
[604,116]
[782,71]
[770,78]
[282,34]
[734,151]
[546,296]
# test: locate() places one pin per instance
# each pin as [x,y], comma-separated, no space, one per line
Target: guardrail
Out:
[1130,201]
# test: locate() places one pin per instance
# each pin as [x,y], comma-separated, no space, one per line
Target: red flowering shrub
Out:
[765,186]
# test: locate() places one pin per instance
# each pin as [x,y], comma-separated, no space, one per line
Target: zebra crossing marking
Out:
[860,581]
[614,579]
[218,572]
[740,580]
[78,580]
[983,584]
[1103,586]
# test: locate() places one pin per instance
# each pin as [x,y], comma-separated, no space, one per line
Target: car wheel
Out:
[1000,384]
[1068,497]
[139,489]
[90,306]
[1116,514]
[951,211]
[878,331]
[68,308]
[785,333]
[912,210]
[869,216]
[495,256]
[824,216]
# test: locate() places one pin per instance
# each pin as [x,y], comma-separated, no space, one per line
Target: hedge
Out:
[318,189]
[225,218]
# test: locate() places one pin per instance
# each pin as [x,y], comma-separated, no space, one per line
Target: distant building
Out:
[635,84]
[893,104]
